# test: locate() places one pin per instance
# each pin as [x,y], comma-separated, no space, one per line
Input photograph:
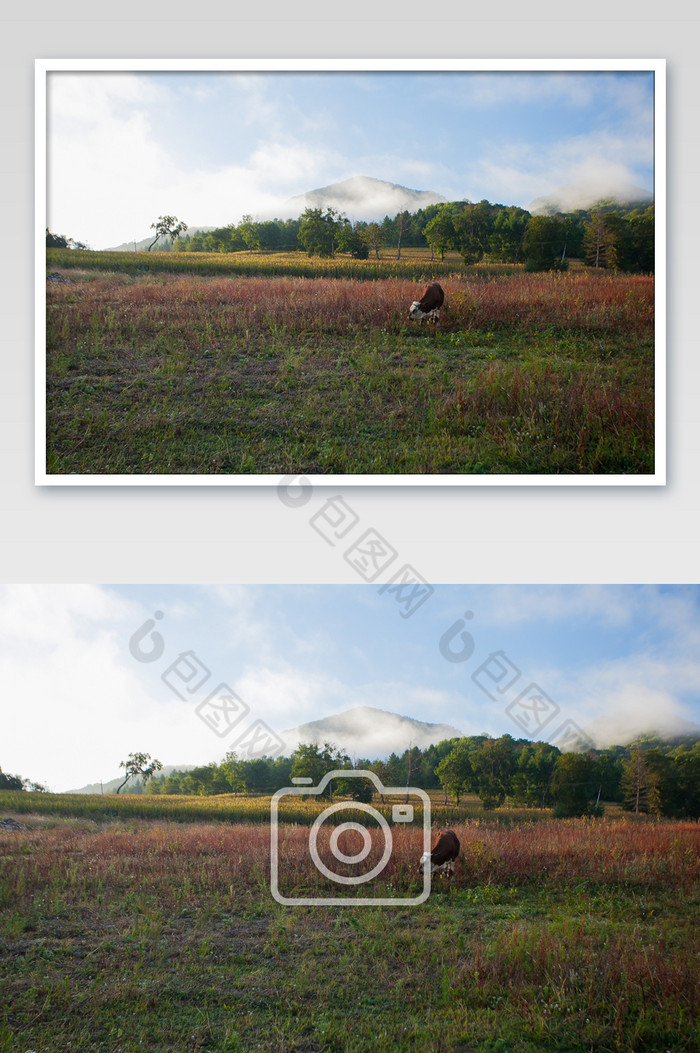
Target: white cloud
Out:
[597,165]
[110,177]
[76,100]
[113,170]
[284,696]
[619,700]
[288,696]
[45,614]
[496,89]
[513,604]
[626,94]
[78,702]
[661,625]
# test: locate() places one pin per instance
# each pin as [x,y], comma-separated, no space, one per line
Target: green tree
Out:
[533,775]
[573,785]
[544,244]
[641,781]
[402,225]
[432,755]
[139,764]
[310,760]
[641,235]
[571,232]
[350,240]
[223,239]
[56,241]
[395,771]
[10,782]
[233,771]
[167,226]
[608,773]
[167,784]
[357,789]
[472,227]
[606,241]
[318,231]
[279,771]
[440,232]
[256,774]
[269,236]
[380,769]
[686,768]
[290,234]
[455,772]
[60,241]
[506,238]
[493,764]
[247,231]
[204,780]
[373,237]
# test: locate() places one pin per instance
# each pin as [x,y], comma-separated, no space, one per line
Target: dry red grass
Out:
[167,857]
[193,306]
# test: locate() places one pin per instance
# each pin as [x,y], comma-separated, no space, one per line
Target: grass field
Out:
[138,935]
[200,370]
[234,808]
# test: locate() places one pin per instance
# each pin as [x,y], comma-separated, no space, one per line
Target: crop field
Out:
[236,808]
[149,935]
[289,366]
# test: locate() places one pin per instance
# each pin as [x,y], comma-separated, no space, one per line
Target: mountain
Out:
[362,198]
[585,195]
[368,732]
[612,731]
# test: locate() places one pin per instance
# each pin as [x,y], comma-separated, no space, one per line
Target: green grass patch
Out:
[567,936]
[528,374]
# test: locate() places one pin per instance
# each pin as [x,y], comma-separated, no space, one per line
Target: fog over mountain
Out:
[368,732]
[584,195]
[368,199]
[362,197]
[616,729]
[373,734]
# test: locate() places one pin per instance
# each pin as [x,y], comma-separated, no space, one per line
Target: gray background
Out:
[487,534]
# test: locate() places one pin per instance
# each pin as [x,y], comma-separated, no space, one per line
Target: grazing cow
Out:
[445,851]
[429,304]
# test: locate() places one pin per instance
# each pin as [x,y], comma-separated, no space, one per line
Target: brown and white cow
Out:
[443,854]
[429,304]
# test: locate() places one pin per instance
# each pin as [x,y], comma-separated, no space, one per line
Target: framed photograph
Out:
[361,271]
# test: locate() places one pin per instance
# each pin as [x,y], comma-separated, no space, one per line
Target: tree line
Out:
[649,777]
[60,241]
[16,782]
[615,238]
[612,237]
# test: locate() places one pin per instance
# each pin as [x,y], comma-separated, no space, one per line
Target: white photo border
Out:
[44,66]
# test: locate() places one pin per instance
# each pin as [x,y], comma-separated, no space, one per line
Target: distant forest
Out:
[651,776]
[609,236]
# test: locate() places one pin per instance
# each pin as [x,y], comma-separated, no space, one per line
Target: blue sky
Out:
[126,147]
[614,659]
